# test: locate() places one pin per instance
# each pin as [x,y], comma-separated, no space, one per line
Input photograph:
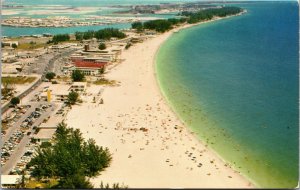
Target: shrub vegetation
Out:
[103,34]
[70,159]
[189,17]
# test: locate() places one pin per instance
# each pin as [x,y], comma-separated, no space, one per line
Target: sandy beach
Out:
[150,146]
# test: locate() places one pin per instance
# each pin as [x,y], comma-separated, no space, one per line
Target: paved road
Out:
[46,63]
[51,65]
[21,147]
[5,106]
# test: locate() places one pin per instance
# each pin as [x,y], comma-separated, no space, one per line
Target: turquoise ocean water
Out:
[234,82]
[102,8]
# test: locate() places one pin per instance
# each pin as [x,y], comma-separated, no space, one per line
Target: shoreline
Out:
[172,109]
[166,153]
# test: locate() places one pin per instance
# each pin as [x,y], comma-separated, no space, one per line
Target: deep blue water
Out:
[235,83]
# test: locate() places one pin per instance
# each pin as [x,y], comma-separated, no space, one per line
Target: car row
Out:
[9,146]
[28,122]
[25,159]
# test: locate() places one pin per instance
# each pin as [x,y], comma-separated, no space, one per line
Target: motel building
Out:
[10,43]
[93,69]
[88,66]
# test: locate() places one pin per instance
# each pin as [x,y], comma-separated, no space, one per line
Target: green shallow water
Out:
[234,82]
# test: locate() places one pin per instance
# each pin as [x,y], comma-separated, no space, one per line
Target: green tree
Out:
[158,25]
[102,70]
[127,45]
[138,26]
[21,182]
[14,46]
[114,186]
[45,145]
[60,38]
[105,34]
[108,33]
[73,97]
[79,36]
[102,46]
[88,35]
[163,25]
[50,75]
[208,14]
[15,100]
[70,159]
[77,76]
[76,181]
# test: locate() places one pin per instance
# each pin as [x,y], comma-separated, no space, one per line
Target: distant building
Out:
[47,35]
[44,135]
[8,58]
[60,92]
[57,47]
[90,68]
[37,36]
[137,39]
[86,47]
[92,61]
[10,50]
[68,69]
[11,68]
[10,181]
[63,46]
[52,123]
[88,65]
[10,43]
[150,32]
[25,54]
[78,86]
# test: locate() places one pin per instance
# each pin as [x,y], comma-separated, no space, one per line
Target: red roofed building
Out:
[89,66]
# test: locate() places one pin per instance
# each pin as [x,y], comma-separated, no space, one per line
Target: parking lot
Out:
[20,132]
[22,162]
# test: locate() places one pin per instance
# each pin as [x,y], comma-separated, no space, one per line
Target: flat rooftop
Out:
[52,122]
[10,179]
[45,134]
[59,89]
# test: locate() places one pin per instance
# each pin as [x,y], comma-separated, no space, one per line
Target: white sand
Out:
[50,10]
[160,157]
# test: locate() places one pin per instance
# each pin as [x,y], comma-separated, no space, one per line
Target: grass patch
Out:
[32,184]
[18,80]
[64,78]
[28,46]
[104,81]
